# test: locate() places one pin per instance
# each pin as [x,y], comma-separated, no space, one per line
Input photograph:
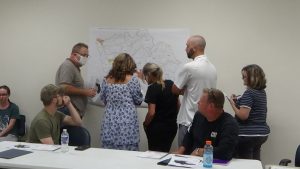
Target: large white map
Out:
[165,47]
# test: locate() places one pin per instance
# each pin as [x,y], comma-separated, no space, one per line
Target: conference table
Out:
[95,158]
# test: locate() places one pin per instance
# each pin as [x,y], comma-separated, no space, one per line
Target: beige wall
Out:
[37,35]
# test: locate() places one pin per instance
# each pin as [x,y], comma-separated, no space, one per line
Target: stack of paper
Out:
[152,154]
[180,161]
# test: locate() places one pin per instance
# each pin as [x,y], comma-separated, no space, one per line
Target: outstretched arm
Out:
[72,90]
[47,140]
[176,90]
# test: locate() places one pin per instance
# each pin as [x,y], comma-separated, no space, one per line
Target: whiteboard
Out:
[165,47]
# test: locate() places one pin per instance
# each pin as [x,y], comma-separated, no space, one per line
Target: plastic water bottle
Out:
[208,155]
[64,141]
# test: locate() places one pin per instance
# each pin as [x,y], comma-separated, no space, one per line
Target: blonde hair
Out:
[155,72]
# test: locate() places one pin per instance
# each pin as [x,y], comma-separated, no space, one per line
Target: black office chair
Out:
[78,136]
[285,162]
[21,126]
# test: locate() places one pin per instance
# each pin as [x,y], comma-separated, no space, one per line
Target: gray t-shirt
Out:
[69,74]
[12,112]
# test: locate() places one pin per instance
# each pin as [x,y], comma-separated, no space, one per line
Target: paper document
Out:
[29,146]
[280,167]
[181,161]
[44,147]
[152,154]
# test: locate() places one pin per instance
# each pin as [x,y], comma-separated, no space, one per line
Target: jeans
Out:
[182,129]
[249,147]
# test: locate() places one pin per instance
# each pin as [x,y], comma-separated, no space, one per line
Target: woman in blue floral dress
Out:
[121,92]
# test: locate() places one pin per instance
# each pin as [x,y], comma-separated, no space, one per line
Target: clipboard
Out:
[12,153]
[164,162]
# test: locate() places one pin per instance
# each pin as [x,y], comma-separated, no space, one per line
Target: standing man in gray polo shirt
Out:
[68,75]
[190,82]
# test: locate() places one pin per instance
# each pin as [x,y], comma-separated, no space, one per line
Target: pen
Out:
[182,162]
[181,156]
[21,146]
[164,155]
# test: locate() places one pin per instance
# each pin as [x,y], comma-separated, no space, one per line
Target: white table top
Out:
[94,158]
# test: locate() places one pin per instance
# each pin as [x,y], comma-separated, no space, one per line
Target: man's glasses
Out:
[3,94]
[85,55]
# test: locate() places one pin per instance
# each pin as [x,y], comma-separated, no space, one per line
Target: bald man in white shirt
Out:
[191,80]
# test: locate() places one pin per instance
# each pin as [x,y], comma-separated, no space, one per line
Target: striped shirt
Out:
[256,124]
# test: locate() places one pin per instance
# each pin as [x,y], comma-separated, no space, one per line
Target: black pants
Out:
[249,147]
[160,136]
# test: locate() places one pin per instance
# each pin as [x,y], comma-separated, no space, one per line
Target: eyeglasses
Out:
[84,55]
[3,94]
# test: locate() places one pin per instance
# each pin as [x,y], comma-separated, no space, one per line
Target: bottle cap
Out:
[208,142]
[64,129]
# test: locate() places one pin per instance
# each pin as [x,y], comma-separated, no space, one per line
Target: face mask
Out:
[82,60]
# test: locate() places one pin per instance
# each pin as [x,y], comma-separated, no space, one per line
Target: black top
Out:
[166,102]
[223,133]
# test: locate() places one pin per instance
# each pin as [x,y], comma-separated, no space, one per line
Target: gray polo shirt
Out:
[68,73]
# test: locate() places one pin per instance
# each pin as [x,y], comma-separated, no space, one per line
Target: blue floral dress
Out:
[120,127]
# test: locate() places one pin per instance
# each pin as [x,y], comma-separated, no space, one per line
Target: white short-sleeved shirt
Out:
[194,77]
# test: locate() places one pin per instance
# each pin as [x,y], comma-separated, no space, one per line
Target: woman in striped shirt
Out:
[251,113]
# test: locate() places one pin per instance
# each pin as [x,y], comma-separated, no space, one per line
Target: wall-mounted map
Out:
[165,47]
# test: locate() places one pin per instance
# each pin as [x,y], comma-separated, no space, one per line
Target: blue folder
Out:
[12,153]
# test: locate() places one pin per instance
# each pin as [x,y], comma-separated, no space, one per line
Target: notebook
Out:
[221,162]
[12,153]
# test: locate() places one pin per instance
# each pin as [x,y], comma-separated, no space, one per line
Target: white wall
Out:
[37,35]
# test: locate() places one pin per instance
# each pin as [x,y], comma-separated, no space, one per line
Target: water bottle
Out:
[64,141]
[208,155]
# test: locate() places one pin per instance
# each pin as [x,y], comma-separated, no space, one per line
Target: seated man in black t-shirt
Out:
[211,123]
